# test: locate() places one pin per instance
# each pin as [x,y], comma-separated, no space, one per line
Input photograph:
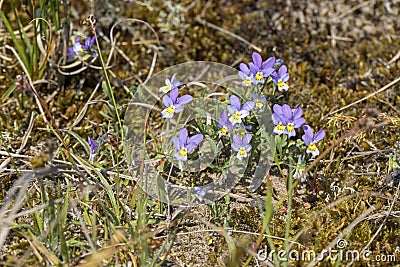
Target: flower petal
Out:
[285,77]
[253,68]
[244,68]
[167,101]
[282,70]
[308,134]
[277,109]
[237,139]
[298,122]
[257,59]
[267,71]
[269,63]
[178,108]
[174,94]
[177,143]
[274,76]
[236,146]
[183,134]
[179,157]
[173,77]
[249,106]
[242,75]
[196,139]
[185,99]
[235,101]
[297,113]
[190,147]
[244,114]
[232,109]
[287,111]
[319,135]
[246,139]
[248,148]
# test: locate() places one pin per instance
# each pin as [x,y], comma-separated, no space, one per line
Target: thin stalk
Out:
[289,210]
[107,79]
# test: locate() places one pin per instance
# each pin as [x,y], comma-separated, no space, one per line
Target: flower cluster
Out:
[287,120]
[78,49]
[258,72]
[234,124]
[174,104]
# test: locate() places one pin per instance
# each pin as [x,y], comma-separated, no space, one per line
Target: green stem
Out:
[289,210]
[108,83]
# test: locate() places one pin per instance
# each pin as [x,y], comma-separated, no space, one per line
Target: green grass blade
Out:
[21,51]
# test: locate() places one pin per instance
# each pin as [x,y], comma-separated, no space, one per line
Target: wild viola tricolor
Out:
[234,124]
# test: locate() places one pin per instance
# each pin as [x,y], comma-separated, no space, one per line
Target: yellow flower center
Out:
[280,127]
[290,127]
[242,152]
[183,152]
[237,117]
[247,81]
[259,76]
[259,103]
[312,147]
[170,110]
[281,83]
[241,132]
[224,130]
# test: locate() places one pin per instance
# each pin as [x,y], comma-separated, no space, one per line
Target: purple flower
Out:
[78,49]
[259,100]
[185,145]
[170,84]
[241,145]
[224,123]
[88,43]
[174,104]
[245,74]
[259,69]
[281,78]
[287,119]
[238,111]
[310,140]
[199,192]
[94,146]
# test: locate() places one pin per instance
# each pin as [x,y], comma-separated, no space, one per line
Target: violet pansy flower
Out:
[224,124]
[280,78]
[259,101]
[242,145]
[287,119]
[245,74]
[261,70]
[238,111]
[78,49]
[185,145]
[173,103]
[310,140]
[94,146]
